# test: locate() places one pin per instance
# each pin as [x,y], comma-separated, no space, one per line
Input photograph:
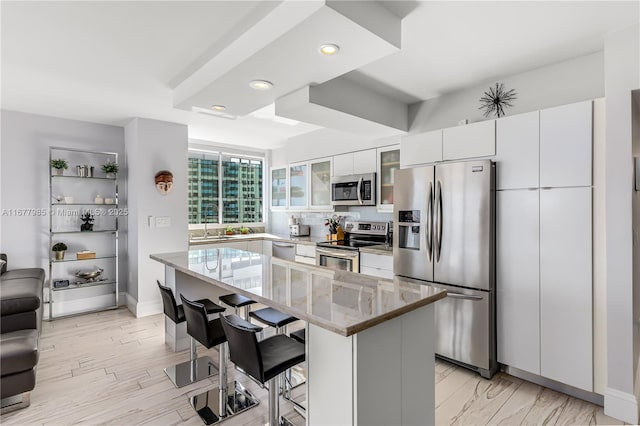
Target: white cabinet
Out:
[279,188]
[320,184]
[354,163]
[266,247]
[299,186]
[388,162]
[518,151]
[566,301]
[566,145]
[305,254]
[469,141]
[421,148]
[518,279]
[255,246]
[377,265]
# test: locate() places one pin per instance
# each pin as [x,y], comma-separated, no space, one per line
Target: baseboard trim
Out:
[144,309]
[592,397]
[621,405]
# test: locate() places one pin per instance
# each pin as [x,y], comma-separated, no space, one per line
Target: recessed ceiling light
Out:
[261,84]
[329,49]
[218,107]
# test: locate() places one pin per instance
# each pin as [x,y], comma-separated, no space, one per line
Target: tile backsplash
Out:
[279,223]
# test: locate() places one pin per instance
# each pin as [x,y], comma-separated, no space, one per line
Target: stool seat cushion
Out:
[299,335]
[279,353]
[236,300]
[19,351]
[272,317]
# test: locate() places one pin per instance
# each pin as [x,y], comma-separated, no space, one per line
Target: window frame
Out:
[220,153]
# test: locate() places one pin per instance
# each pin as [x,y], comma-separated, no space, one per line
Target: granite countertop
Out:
[256,236]
[342,302]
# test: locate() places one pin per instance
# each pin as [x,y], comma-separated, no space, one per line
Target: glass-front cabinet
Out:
[320,184]
[388,162]
[279,188]
[298,185]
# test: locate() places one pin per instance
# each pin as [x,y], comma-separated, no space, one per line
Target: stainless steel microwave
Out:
[354,190]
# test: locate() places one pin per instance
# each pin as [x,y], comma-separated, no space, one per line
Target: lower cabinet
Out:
[518,279]
[544,283]
[566,290]
[305,254]
[377,265]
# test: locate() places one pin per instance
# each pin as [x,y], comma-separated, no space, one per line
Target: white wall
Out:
[152,146]
[563,83]
[622,75]
[24,155]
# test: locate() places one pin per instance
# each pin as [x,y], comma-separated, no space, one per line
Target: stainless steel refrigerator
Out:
[444,234]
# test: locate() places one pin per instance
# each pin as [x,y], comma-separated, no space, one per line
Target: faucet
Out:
[206,220]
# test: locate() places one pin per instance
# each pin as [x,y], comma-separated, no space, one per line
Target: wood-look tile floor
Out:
[107,368]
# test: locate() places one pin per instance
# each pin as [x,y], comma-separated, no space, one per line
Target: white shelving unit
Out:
[82,296]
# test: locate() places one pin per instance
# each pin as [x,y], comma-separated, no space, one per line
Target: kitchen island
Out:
[370,342]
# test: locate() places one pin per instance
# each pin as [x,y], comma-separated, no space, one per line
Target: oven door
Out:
[341,260]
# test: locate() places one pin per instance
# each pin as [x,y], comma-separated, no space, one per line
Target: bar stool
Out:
[263,360]
[299,335]
[215,405]
[195,369]
[273,317]
[238,301]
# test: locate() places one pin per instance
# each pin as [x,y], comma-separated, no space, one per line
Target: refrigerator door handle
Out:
[359,190]
[463,296]
[439,221]
[429,224]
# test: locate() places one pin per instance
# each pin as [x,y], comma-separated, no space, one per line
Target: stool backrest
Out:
[169,302]
[197,321]
[243,347]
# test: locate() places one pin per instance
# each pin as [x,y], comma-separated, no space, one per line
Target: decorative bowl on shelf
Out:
[90,276]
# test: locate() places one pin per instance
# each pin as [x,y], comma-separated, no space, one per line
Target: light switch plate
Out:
[163,221]
[151,221]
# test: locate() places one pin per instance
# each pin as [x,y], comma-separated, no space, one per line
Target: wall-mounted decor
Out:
[496,100]
[164,181]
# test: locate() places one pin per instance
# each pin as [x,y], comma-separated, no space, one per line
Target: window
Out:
[225,188]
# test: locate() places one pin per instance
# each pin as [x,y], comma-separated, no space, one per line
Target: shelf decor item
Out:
[244,230]
[59,249]
[87,222]
[59,166]
[164,181]
[496,100]
[85,254]
[229,230]
[110,169]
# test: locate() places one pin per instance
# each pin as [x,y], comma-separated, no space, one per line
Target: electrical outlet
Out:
[163,222]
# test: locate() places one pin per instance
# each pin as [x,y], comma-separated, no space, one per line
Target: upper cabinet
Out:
[302,186]
[320,183]
[279,186]
[353,163]
[299,185]
[421,148]
[565,145]
[517,151]
[469,141]
[388,162]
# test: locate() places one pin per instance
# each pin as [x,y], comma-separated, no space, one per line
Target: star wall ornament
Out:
[496,100]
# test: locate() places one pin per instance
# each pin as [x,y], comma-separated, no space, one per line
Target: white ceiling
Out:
[107,62]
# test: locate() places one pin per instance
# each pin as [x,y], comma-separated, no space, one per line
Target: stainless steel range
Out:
[345,255]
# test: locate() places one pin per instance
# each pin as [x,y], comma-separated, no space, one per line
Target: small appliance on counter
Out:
[299,230]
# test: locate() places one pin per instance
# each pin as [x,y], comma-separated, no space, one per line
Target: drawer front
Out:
[377,261]
[376,272]
[305,250]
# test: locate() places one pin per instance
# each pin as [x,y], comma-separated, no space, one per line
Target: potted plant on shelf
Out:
[229,230]
[110,169]
[59,249]
[59,166]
